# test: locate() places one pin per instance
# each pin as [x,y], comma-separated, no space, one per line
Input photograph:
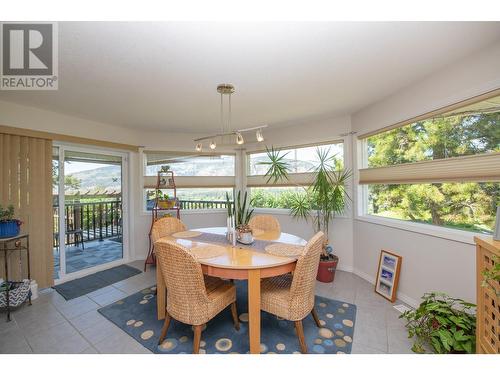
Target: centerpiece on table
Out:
[239,214]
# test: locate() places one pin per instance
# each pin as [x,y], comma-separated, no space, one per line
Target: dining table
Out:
[272,253]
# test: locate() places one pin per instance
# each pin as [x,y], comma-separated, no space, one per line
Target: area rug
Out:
[136,315]
[79,287]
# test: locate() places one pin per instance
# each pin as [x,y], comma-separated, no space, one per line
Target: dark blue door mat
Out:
[79,287]
[136,315]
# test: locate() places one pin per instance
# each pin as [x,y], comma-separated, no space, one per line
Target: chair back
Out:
[166,226]
[304,277]
[187,298]
[265,222]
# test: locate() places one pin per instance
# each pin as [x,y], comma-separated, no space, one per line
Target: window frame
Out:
[361,211]
[345,140]
[144,178]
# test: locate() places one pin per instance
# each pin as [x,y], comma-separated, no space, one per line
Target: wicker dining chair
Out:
[265,222]
[291,297]
[166,226]
[192,298]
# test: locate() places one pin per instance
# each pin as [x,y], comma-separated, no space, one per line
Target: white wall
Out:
[429,263]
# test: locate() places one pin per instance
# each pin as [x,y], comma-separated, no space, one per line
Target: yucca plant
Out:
[326,197]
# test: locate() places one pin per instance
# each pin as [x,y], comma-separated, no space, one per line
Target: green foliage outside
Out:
[469,206]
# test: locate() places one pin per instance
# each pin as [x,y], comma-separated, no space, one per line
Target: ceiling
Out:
[163,76]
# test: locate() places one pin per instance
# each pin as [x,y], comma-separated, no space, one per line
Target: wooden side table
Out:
[9,246]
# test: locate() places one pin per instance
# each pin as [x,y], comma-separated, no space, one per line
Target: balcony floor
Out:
[95,253]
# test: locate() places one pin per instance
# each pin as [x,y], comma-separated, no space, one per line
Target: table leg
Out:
[160,293]
[254,310]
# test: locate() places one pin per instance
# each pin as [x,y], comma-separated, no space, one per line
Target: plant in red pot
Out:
[318,203]
[9,227]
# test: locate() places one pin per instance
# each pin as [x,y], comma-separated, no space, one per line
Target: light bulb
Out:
[213,145]
[259,135]
[199,147]
[239,139]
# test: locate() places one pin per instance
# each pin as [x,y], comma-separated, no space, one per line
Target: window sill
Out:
[426,229]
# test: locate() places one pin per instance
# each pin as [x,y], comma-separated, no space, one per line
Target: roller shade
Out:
[479,168]
[301,179]
[194,182]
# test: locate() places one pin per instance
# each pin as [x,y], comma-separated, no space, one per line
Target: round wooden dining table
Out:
[240,262]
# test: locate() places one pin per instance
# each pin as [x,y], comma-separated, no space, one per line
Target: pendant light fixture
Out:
[227,135]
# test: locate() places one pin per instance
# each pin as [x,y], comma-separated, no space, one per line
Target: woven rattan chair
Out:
[166,226]
[192,299]
[291,297]
[265,223]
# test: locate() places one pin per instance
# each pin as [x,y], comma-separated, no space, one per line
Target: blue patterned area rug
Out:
[136,315]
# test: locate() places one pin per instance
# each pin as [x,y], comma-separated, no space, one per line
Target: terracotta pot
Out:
[326,270]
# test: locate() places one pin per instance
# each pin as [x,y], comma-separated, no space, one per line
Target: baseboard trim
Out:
[401,296]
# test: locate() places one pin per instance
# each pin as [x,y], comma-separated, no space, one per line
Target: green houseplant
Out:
[318,203]
[241,211]
[9,227]
[443,324]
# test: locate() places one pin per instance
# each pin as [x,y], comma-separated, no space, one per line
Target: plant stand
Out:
[164,181]
[8,246]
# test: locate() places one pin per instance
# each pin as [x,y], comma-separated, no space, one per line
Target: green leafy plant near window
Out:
[326,196]
[442,323]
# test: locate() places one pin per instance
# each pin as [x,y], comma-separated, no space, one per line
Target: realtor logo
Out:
[28,58]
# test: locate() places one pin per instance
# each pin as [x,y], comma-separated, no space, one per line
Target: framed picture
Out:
[386,284]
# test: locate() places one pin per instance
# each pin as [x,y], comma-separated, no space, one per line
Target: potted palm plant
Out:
[241,212]
[318,203]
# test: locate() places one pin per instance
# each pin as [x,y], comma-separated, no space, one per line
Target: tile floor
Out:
[54,325]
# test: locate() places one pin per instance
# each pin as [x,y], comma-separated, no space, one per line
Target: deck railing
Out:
[92,220]
[101,220]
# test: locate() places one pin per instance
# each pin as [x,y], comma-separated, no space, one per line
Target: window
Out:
[202,180]
[302,162]
[442,170]
[273,197]
[301,159]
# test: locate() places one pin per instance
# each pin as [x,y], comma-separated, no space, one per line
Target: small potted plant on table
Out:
[9,227]
[320,202]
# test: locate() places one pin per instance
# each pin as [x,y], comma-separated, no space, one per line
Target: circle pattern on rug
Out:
[280,346]
[341,310]
[328,342]
[318,349]
[322,304]
[340,343]
[143,301]
[263,348]
[183,339]
[347,323]
[168,345]
[130,322]
[223,345]
[322,323]
[148,296]
[326,333]
[138,323]
[318,341]
[345,305]
[146,335]
[244,317]
[202,344]
[339,333]
[329,316]
[347,339]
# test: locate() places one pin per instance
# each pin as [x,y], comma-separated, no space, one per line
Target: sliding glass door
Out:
[88,210]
